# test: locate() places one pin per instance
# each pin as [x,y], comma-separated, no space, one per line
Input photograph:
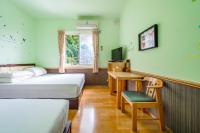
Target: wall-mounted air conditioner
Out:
[87,25]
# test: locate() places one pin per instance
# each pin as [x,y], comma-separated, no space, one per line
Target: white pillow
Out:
[15,74]
[37,71]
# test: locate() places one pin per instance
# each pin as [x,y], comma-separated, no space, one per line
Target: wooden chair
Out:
[149,99]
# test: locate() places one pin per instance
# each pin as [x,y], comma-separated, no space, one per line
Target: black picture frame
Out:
[148,39]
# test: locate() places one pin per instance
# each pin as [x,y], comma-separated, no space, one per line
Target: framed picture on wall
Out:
[148,39]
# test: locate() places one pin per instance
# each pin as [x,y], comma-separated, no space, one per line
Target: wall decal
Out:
[24,40]
[15,37]
[8,40]
[11,37]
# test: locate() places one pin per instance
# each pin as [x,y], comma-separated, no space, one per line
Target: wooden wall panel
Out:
[91,78]
[181,107]
[183,82]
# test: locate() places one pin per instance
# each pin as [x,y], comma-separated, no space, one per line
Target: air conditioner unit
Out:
[87,25]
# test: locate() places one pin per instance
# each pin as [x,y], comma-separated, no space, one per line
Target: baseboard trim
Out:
[183,82]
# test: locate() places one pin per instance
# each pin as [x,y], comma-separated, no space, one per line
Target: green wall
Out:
[178,54]
[47,54]
[16,35]
[28,40]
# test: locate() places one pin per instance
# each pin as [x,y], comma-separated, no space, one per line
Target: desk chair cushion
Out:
[134,96]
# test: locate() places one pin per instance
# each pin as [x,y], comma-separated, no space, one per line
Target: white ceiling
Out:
[71,8]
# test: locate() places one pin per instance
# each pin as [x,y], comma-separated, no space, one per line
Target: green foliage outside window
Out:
[72,49]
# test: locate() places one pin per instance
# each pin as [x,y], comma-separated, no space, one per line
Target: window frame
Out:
[78,66]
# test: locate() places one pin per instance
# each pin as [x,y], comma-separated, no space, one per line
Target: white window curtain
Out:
[95,35]
[61,44]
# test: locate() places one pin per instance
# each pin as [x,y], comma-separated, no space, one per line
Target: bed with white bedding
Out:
[48,86]
[33,115]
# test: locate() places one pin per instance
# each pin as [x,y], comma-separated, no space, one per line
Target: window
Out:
[79,49]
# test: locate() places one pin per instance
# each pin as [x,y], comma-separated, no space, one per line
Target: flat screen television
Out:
[117,54]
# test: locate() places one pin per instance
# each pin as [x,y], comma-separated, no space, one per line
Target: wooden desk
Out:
[119,77]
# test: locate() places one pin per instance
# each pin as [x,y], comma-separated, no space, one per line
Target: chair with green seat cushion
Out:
[149,99]
[134,96]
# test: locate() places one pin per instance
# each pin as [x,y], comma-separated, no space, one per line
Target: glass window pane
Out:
[79,49]
[86,49]
[72,49]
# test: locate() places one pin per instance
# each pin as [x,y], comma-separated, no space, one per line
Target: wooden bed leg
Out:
[68,127]
[74,103]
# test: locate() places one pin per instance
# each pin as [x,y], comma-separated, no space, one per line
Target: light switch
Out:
[101,47]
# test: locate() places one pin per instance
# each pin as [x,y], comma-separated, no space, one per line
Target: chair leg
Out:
[134,118]
[123,104]
[161,117]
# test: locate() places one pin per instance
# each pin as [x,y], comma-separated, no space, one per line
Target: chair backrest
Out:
[153,87]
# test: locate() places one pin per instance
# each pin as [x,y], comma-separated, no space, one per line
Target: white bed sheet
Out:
[56,86]
[33,115]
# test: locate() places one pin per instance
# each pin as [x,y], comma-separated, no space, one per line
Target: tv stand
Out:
[116,61]
[117,66]
[121,66]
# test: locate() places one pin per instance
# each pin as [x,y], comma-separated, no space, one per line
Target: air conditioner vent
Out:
[87,25]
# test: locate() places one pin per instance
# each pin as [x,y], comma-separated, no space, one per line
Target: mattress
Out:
[58,86]
[33,115]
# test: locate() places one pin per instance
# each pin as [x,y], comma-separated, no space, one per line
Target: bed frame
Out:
[13,67]
[73,102]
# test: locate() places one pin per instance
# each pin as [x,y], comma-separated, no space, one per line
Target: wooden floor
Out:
[98,114]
